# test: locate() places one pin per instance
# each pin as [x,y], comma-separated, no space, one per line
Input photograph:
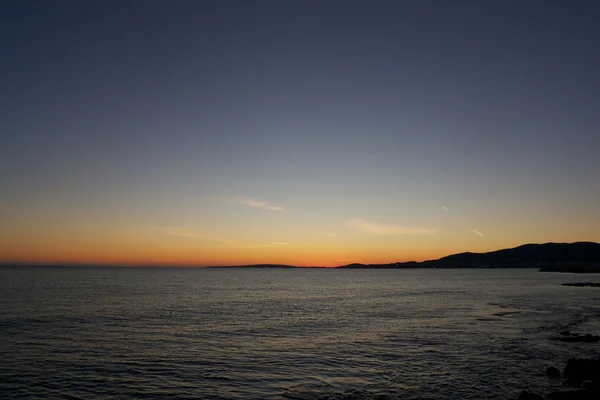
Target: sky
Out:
[295,132]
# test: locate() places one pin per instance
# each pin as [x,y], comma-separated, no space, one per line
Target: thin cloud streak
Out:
[477,232]
[370,228]
[184,232]
[265,205]
[261,246]
[188,233]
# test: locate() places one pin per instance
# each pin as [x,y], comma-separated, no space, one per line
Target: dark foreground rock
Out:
[581,374]
[553,372]
[525,395]
[579,370]
[573,395]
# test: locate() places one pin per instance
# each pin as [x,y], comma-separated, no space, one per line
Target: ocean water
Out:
[80,333]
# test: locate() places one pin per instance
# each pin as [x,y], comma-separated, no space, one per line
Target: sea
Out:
[235,333]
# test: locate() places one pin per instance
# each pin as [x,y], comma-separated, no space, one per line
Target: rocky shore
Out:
[581,379]
[581,376]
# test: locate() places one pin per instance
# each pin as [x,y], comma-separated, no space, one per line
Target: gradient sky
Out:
[300,132]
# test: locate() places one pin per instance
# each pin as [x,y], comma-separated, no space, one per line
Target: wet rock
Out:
[589,385]
[583,374]
[525,395]
[573,395]
[579,370]
[553,372]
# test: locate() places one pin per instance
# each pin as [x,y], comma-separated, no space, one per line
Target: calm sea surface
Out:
[287,334]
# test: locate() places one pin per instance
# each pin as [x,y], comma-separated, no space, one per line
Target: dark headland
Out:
[555,257]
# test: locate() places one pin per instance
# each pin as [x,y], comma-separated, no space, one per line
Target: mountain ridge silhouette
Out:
[559,257]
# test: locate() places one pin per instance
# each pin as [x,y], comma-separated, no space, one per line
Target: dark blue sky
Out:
[168,113]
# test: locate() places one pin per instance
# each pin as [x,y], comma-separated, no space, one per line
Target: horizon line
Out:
[42,264]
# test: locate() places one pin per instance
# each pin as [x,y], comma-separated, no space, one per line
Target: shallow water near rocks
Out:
[287,333]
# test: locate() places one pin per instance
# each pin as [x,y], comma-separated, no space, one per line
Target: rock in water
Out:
[573,395]
[553,372]
[589,385]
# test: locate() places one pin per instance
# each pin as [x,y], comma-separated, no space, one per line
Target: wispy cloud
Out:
[181,232]
[445,208]
[261,246]
[477,232]
[265,205]
[371,228]
[189,233]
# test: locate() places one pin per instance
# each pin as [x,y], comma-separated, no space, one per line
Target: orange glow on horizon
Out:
[89,258]
[113,246]
[111,255]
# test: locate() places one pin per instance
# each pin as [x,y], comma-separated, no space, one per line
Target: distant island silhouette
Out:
[548,257]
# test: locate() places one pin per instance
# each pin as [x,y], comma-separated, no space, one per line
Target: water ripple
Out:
[284,334]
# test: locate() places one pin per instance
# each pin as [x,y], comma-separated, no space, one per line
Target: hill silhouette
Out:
[558,257]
